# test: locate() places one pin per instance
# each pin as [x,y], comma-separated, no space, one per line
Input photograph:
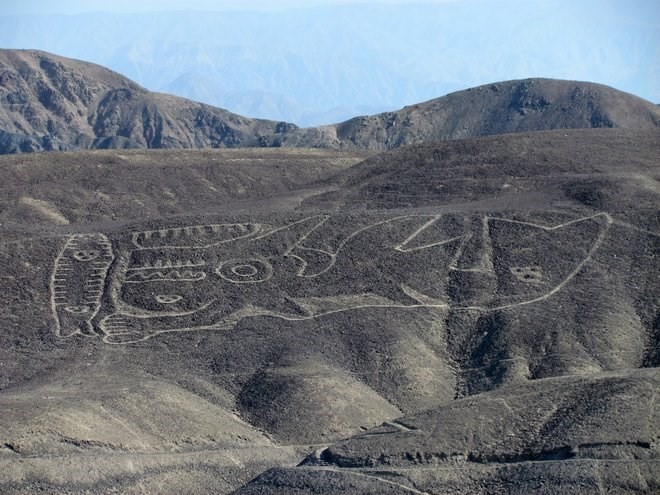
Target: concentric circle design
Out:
[245,271]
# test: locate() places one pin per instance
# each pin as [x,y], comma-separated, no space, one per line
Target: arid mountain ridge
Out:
[54,103]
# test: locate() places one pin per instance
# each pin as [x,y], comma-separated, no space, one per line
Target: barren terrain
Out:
[474,316]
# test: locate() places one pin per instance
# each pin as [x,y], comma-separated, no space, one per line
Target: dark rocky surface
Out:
[561,435]
[474,316]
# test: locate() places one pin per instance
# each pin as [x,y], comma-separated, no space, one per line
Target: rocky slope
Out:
[562,436]
[472,316]
[506,107]
[53,103]
[501,166]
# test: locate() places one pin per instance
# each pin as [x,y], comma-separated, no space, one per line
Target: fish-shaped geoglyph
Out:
[78,282]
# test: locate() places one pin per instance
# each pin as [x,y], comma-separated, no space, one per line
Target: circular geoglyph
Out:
[245,271]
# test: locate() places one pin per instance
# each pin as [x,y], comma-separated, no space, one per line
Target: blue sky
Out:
[650,7]
[81,6]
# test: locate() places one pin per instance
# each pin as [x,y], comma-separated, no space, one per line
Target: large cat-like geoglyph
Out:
[208,277]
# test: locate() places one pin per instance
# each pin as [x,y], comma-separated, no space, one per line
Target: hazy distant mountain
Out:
[262,104]
[49,102]
[381,56]
[255,103]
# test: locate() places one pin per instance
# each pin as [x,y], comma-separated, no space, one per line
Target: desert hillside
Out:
[501,108]
[469,316]
[54,103]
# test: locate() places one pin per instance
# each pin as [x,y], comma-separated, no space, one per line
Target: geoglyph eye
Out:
[245,271]
[168,298]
